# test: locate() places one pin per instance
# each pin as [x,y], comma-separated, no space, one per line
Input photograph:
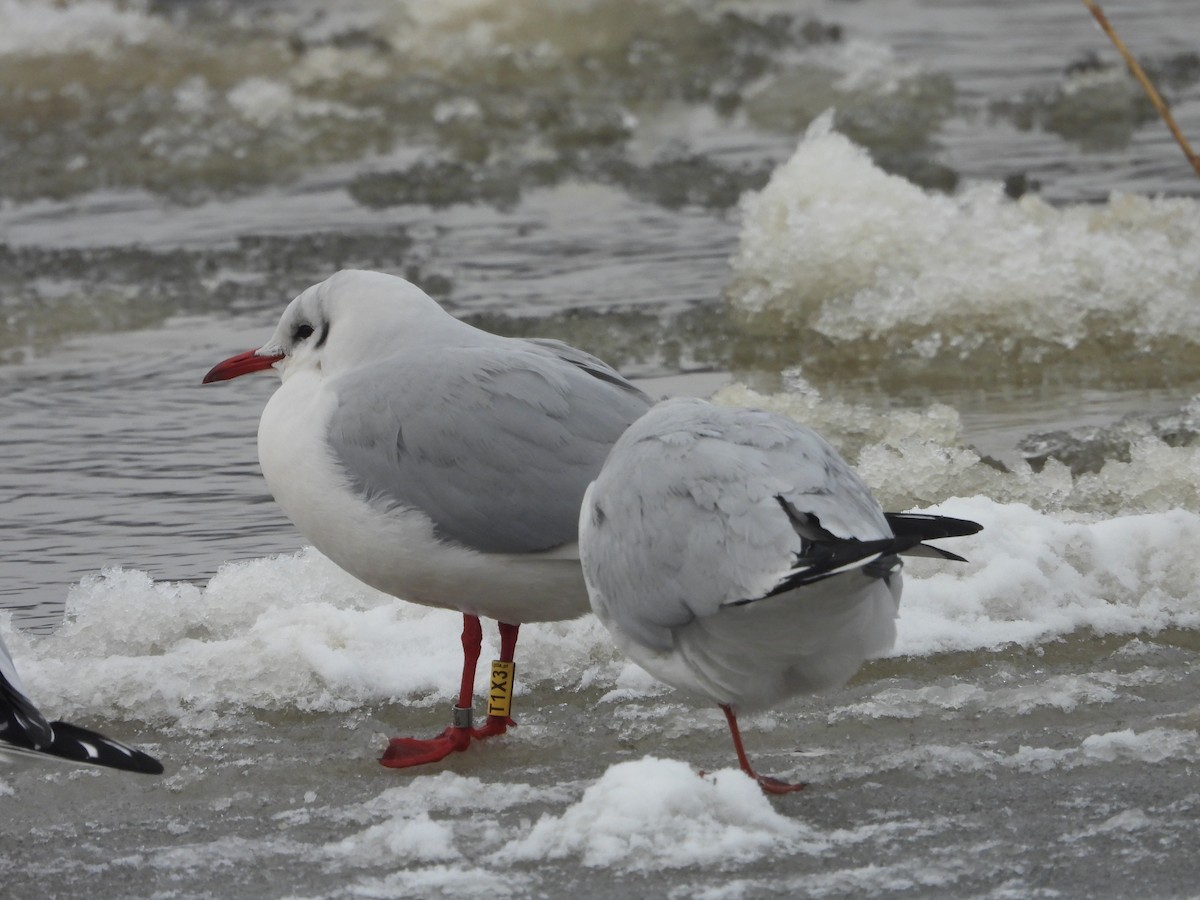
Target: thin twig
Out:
[1144,80]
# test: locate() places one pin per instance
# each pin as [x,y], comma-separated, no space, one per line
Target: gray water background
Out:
[121,291]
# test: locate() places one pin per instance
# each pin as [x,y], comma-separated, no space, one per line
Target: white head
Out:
[350,317]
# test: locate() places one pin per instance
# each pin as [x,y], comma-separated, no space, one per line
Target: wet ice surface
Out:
[174,173]
[1020,775]
[1035,729]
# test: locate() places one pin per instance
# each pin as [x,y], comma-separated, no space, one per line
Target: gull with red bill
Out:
[436,462]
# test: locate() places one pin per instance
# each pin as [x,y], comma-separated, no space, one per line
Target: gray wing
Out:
[593,365]
[495,443]
[701,507]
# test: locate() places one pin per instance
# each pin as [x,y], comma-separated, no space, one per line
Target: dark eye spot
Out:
[303,332]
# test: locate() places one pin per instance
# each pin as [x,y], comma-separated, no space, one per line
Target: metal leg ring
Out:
[462,717]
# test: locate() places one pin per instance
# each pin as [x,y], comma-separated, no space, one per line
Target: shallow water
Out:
[174,173]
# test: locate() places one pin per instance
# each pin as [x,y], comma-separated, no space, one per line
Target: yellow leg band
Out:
[500,693]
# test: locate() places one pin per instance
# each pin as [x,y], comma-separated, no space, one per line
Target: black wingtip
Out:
[24,729]
[931,552]
[921,527]
[930,527]
[826,557]
[84,746]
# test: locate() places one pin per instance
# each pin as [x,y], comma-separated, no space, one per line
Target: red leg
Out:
[508,649]
[766,782]
[472,641]
[404,752]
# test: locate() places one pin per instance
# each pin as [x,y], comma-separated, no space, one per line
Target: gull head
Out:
[349,319]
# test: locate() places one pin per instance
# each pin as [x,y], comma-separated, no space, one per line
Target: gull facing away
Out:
[436,462]
[26,736]
[734,555]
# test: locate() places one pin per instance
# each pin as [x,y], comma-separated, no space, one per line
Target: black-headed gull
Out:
[26,735]
[436,462]
[734,555]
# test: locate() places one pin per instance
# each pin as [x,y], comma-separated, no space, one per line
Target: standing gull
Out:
[437,463]
[734,555]
[26,735]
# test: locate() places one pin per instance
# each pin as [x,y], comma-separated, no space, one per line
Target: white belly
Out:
[801,642]
[395,550]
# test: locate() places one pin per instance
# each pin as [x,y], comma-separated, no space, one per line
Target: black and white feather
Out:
[734,554]
[26,735]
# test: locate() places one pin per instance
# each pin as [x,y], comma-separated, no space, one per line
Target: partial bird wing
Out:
[495,443]
[25,732]
[83,746]
[75,745]
[20,721]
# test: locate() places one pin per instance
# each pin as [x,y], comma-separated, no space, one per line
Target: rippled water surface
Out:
[981,280]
